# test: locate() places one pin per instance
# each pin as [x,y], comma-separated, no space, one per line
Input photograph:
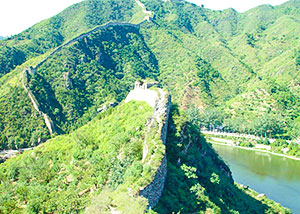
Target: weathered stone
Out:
[154,190]
[162,105]
[261,195]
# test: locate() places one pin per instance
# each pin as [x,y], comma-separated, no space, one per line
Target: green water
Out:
[277,177]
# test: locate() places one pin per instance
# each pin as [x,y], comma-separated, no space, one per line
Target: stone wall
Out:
[48,121]
[35,103]
[154,190]
[162,108]
[110,24]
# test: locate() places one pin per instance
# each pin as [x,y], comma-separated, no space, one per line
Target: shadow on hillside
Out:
[198,180]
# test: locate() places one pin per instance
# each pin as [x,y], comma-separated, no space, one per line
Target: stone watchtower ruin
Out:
[145,85]
[140,85]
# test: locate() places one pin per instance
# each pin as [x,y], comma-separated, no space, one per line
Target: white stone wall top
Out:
[141,94]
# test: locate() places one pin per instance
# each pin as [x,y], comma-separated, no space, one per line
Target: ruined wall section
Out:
[154,190]
[34,101]
[161,101]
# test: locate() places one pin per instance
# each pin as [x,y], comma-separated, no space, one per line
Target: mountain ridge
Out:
[218,66]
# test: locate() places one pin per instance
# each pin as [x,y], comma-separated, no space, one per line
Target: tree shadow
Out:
[198,180]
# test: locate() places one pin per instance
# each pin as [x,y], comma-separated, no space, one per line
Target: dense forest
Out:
[231,70]
[225,70]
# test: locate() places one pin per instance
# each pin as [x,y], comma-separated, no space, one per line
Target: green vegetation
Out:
[237,65]
[61,28]
[100,68]
[198,181]
[63,174]
[253,63]
[73,83]
[278,146]
[20,124]
[223,68]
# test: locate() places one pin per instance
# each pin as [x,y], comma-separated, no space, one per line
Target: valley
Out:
[66,90]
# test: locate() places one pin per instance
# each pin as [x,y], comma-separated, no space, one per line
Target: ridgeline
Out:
[224,69]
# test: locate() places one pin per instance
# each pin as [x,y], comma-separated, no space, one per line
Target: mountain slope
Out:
[234,70]
[248,53]
[63,174]
[92,71]
[61,28]
[99,169]
[83,76]
[198,181]
[209,60]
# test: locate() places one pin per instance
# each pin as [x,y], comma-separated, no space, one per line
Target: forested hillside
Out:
[99,169]
[61,28]
[65,173]
[73,83]
[241,70]
[237,71]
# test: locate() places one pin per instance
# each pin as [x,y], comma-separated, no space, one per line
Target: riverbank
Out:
[277,178]
[255,149]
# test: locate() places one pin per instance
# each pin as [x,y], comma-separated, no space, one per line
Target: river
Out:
[277,177]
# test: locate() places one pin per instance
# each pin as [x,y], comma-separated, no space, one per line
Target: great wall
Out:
[160,100]
[32,70]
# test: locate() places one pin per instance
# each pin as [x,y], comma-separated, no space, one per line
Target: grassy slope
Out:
[63,174]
